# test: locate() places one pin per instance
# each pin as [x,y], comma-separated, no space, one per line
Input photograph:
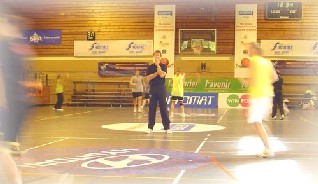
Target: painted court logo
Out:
[235,100]
[109,161]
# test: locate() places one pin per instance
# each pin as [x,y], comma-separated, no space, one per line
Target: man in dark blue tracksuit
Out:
[156,73]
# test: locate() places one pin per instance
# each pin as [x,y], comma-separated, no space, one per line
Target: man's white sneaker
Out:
[139,110]
[267,153]
[168,131]
[148,131]
[135,110]
[274,117]
[282,117]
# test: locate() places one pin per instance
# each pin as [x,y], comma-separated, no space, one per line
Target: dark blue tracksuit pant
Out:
[158,94]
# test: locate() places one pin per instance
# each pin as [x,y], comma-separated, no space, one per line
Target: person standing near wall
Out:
[137,83]
[59,89]
[156,74]
[177,92]
[278,98]
[263,75]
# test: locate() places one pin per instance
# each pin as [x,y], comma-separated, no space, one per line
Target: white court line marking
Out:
[177,179]
[42,145]
[69,115]
[308,121]
[221,117]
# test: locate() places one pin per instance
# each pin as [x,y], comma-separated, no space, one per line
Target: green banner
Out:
[211,85]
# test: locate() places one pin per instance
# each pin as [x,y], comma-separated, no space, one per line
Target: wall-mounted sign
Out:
[197,41]
[164,33]
[290,47]
[42,37]
[245,32]
[113,48]
[284,10]
[90,35]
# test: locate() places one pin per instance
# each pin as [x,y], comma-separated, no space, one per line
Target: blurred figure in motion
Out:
[263,75]
[13,102]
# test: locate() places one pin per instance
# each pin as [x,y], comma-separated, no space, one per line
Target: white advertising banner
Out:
[164,33]
[233,100]
[113,48]
[289,47]
[245,32]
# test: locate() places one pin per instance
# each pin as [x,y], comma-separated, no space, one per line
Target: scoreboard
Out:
[284,10]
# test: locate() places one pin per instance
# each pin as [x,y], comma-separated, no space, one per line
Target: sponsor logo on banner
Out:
[197,100]
[290,47]
[98,48]
[315,48]
[134,48]
[113,48]
[165,13]
[215,85]
[42,37]
[245,12]
[282,49]
[228,100]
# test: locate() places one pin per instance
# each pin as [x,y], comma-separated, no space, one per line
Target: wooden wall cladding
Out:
[134,19]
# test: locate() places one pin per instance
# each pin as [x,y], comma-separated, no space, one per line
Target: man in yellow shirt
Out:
[177,92]
[261,92]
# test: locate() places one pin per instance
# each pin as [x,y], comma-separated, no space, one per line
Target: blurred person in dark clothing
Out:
[12,98]
[278,98]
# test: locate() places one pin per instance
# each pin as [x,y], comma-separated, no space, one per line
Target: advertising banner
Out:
[290,47]
[113,48]
[245,32]
[197,100]
[233,100]
[108,69]
[213,85]
[164,33]
[292,67]
[42,37]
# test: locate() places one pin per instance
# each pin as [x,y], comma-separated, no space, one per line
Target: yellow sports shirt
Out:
[261,77]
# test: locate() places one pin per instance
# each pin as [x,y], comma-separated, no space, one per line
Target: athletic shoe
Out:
[60,109]
[267,153]
[148,131]
[14,148]
[135,110]
[274,117]
[168,131]
[54,108]
[139,110]
[282,117]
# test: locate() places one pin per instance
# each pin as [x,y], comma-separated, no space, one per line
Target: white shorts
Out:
[259,109]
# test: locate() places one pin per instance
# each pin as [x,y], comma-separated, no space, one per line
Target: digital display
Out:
[284,10]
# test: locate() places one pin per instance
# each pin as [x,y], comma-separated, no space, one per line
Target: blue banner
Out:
[109,69]
[197,100]
[42,37]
